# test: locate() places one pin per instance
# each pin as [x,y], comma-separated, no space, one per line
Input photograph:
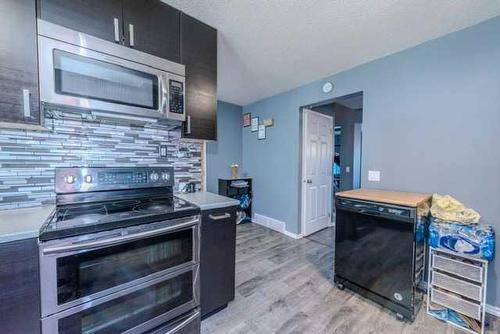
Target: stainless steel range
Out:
[120,254]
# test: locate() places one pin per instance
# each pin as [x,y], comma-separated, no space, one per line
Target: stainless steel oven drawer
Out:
[75,271]
[134,310]
[186,324]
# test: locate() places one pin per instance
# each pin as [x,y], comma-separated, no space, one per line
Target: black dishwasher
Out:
[379,253]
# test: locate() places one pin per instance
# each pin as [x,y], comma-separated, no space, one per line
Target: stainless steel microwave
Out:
[82,71]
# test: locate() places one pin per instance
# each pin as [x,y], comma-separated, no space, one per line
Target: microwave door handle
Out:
[116,240]
[163,94]
[116,26]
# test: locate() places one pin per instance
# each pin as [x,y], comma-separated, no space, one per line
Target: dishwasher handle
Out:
[371,213]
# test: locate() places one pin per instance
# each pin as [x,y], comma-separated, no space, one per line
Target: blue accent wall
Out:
[431,123]
[227,149]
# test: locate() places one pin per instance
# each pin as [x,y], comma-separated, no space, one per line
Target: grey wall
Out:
[431,119]
[28,158]
[227,149]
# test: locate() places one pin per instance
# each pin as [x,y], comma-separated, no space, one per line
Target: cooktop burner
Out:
[75,219]
[95,199]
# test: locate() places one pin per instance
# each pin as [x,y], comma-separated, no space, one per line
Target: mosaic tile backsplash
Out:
[28,158]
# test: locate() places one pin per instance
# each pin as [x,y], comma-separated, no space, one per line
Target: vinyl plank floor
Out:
[286,286]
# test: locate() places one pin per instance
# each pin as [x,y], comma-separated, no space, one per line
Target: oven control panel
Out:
[72,180]
[106,178]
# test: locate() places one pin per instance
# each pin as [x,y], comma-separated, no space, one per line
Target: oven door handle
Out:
[183,324]
[116,240]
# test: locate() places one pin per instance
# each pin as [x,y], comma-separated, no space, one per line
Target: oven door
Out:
[137,309]
[78,77]
[79,269]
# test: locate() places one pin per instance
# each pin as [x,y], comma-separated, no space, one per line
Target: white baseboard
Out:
[274,224]
[493,310]
[292,235]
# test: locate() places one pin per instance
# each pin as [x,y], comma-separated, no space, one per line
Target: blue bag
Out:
[471,240]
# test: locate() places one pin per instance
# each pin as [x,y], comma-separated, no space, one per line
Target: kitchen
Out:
[111,109]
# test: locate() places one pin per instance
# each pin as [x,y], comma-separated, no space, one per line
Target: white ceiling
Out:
[270,46]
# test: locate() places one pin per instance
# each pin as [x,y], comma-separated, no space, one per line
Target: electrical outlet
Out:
[374,175]
[163,152]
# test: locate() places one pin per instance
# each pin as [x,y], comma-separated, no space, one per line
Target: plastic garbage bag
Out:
[449,209]
[471,240]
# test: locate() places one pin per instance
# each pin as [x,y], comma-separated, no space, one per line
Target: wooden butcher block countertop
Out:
[386,196]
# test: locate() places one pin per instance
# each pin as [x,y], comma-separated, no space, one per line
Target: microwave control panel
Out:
[176,95]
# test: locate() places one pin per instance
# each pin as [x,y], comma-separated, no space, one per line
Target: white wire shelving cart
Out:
[457,283]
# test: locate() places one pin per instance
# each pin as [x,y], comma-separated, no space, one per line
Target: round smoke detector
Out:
[327,87]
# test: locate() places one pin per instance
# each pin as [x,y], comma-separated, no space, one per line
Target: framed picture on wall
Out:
[255,124]
[247,119]
[262,132]
[268,122]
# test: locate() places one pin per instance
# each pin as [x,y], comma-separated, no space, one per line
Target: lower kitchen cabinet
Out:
[217,263]
[20,292]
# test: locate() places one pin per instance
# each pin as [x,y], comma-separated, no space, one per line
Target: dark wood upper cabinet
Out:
[199,54]
[153,27]
[150,26]
[19,100]
[99,18]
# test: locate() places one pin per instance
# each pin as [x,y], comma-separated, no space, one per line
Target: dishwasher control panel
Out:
[372,208]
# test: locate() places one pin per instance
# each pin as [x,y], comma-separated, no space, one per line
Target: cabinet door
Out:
[217,258]
[19,102]
[153,27]
[93,17]
[199,54]
[20,292]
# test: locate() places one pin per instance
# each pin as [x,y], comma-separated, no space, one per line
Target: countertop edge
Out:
[12,237]
[425,198]
[216,206]
[215,202]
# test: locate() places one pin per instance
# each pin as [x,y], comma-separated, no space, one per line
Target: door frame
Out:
[303,146]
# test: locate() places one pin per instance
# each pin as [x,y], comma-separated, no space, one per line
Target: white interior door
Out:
[317,157]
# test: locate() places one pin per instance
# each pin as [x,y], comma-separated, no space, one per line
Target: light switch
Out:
[374,175]
[347,169]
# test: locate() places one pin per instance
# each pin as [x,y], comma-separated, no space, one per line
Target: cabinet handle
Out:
[188,125]
[224,216]
[116,23]
[26,103]
[131,34]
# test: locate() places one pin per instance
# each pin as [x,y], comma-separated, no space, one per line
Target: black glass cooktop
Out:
[76,219]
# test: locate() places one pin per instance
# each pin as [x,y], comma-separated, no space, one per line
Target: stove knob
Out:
[165,176]
[154,176]
[69,179]
[88,178]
